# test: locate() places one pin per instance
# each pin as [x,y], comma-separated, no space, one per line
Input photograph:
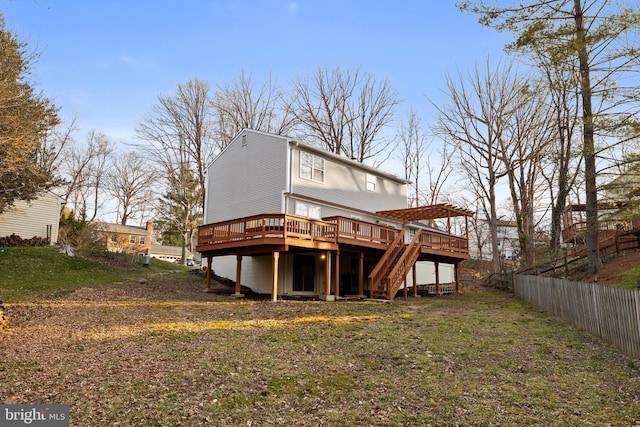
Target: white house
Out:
[36,218]
[288,218]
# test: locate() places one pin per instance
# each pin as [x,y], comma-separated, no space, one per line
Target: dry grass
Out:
[165,353]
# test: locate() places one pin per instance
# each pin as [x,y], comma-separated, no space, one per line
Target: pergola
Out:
[431,212]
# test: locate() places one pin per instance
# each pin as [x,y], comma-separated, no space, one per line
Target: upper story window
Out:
[311,167]
[114,237]
[371,182]
[132,239]
[143,240]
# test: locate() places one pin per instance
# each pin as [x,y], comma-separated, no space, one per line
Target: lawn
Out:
[25,272]
[165,353]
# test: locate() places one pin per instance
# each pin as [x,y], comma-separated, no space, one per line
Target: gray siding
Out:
[247,179]
[345,184]
[33,219]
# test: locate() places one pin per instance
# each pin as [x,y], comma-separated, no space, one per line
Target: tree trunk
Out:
[591,194]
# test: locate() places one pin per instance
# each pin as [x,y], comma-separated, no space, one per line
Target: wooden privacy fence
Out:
[613,314]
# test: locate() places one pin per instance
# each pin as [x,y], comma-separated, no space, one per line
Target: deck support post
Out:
[238,275]
[209,273]
[326,296]
[274,278]
[336,273]
[414,276]
[437,271]
[361,275]
[405,288]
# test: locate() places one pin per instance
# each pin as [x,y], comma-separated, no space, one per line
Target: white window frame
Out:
[307,210]
[371,182]
[143,240]
[132,239]
[312,167]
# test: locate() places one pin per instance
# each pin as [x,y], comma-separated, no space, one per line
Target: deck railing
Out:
[334,229]
[266,226]
[350,228]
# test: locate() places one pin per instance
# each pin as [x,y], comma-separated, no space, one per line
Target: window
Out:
[143,240]
[307,210]
[311,167]
[371,181]
[114,237]
[244,140]
[132,240]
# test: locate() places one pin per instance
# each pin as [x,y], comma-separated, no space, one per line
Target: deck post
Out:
[437,271]
[405,288]
[414,275]
[238,275]
[336,273]
[208,272]
[274,278]
[326,296]
[361,275]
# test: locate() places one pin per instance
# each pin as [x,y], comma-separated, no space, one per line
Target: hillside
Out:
[26,272]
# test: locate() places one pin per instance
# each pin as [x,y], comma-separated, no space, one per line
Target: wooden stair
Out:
[389,274]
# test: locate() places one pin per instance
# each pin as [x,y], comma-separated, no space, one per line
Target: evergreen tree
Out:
[25,119]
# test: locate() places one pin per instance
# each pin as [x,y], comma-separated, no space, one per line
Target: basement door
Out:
[304,273]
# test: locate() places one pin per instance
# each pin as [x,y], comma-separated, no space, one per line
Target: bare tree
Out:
[474,120]
[84,168]
[562,164]
[601,36]
[522,147]
[240,104]
[178,139]
[181,123]
[414,144]
[53,146]
[344,111]
[129,182]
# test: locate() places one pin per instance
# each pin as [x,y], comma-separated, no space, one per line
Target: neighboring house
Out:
[125,238]
[36,218]
[288,218]
[169,253]
[508,242]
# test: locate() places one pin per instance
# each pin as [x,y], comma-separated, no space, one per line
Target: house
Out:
[125,238]
[169,253]
[39,217]
[288,218]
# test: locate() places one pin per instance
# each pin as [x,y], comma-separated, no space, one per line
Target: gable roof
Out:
[315,149]
[121,229]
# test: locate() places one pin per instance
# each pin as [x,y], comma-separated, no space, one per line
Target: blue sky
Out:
[107,61]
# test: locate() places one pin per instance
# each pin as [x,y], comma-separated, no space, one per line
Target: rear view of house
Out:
[288,218]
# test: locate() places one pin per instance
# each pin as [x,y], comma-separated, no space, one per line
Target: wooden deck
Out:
[268,231]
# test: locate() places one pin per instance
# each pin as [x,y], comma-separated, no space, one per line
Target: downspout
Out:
[289,178]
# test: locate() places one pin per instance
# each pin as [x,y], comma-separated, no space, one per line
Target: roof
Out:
[122,229]
[442,210]
[319,150]
[168,250]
